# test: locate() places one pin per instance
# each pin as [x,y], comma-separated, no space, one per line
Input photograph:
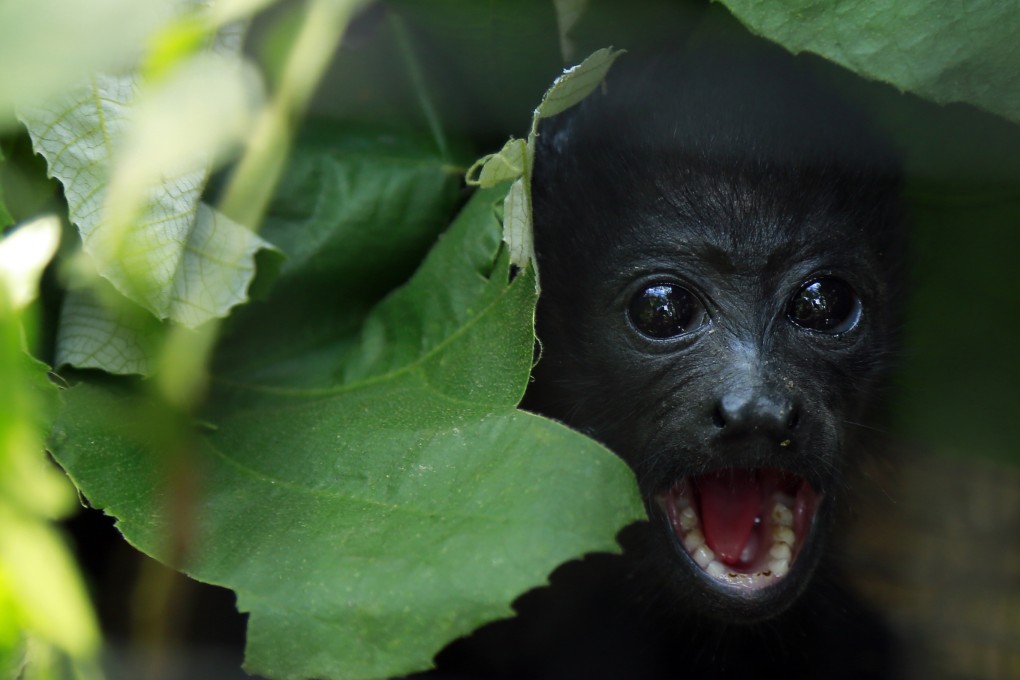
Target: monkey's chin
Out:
[750,538]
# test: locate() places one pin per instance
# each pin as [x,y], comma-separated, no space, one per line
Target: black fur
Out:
[738,177]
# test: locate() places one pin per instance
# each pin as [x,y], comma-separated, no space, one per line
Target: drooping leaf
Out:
[366,523]
[971,55]
[180,259]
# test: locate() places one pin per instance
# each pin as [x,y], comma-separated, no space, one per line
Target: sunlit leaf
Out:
[47,46]
[180,260]
[23,254]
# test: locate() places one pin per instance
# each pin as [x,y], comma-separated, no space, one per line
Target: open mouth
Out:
[743,527]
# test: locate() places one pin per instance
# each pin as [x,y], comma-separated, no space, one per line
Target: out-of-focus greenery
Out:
[46,623]
[339,448]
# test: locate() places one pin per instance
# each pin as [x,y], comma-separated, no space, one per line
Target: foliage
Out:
[322,415]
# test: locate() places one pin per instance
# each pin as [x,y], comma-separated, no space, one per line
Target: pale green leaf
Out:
[577,82]
[517,228]
[189,120]
[508,164]
[180,259]
[46,46]
[49,595]
[115,336]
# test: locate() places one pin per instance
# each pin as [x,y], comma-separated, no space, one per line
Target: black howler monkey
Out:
[720,245]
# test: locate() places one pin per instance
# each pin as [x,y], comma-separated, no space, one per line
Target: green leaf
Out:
[970,55]
[366,523]
[517,228]
[569,89]
[508,164]
[356,211]
[577,82]
[181,260]
[117,337]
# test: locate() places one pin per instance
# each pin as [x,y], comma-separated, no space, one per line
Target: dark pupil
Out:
[663,310]
[823,305]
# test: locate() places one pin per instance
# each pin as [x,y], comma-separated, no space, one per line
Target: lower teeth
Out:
[781,551]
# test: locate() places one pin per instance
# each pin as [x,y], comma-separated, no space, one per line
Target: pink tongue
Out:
[730,502]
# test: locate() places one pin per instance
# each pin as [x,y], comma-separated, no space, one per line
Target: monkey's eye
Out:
[666,310]
[826,305]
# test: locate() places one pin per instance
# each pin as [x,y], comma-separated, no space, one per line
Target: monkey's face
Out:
[728,359]
[722,322]
[719,245]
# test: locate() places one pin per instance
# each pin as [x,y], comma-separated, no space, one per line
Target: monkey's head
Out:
[719,247]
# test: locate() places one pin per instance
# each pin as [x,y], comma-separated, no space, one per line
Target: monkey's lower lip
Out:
[744,528]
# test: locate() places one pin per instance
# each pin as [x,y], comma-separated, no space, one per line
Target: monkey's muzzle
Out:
[743,527]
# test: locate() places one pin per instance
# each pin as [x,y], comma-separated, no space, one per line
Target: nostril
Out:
[791,422]
[718,419]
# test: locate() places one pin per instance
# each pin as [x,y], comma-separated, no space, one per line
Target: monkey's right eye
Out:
[666,310]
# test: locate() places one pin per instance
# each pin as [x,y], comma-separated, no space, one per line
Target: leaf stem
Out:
[418,82]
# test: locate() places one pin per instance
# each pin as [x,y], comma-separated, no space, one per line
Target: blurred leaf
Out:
[24,252]
[46,46]
[366,523]
[42,599]
[181,260]
[568,13]
[190,119]
[48,594]
[970,55]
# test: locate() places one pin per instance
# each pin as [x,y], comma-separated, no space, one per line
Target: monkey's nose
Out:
[756,411]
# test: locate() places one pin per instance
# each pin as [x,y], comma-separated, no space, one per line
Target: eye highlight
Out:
[666,310]
[825,305]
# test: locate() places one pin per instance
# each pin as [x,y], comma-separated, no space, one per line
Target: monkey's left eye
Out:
[826,305]
[666,310]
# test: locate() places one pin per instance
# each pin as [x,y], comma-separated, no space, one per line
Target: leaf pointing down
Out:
[179,259]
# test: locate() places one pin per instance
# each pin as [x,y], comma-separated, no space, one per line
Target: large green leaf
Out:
[356,211]
[367,522]
[967,53]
